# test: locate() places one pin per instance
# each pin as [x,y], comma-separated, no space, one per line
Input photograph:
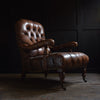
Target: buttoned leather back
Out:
[28,33]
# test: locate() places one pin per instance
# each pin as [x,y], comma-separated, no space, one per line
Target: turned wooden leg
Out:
[62,76]
[84,74]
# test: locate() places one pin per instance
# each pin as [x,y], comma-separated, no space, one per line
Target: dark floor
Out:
[35,87]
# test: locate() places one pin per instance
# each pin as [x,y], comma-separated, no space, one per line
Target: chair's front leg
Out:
[62,76]
[84,74]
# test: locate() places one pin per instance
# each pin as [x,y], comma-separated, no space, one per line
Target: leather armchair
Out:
[40,55]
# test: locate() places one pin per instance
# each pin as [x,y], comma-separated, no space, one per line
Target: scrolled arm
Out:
[43,43]
[68,45]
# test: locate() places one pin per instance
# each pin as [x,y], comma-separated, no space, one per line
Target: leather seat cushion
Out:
[67,60]
[63,60]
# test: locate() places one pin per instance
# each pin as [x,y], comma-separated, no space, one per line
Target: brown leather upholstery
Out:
[37,56]
[29,33]
[69,59]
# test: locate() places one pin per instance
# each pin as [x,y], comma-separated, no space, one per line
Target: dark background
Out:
[63,20]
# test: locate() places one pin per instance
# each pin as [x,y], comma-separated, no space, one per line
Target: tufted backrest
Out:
[28,33]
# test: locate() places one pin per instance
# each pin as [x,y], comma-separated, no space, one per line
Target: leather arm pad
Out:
[43,43]
[68,45]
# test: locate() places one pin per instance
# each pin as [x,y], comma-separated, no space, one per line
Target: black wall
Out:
[63,20]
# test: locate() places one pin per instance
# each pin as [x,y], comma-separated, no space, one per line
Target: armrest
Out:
[43,43]
[68,45]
